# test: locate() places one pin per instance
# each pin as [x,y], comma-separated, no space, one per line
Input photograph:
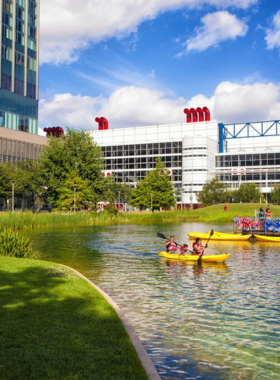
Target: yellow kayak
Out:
[223,233]
[219,236]
[205,258]
[274,239]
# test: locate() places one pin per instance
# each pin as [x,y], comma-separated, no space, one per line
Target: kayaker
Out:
[198,248]
[184,249]
[261,217]
[171,245]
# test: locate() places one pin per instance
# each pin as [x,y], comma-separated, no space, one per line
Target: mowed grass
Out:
[20,220]
[218,215]
[54,325]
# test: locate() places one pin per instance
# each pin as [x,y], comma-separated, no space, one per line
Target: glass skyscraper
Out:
[19,65]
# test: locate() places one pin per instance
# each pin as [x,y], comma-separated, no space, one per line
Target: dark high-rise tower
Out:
[19,65]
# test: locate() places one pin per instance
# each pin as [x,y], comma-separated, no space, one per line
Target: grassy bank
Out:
[19,220]
[216,213]
[54,325]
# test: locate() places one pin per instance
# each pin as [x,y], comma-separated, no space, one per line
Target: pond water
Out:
[218,321]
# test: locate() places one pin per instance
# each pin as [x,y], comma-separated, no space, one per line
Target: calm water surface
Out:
[219,321]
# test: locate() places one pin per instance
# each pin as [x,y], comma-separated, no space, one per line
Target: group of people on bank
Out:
[172,246]
[264,215]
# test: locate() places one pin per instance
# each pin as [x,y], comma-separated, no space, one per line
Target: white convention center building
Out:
[194,152]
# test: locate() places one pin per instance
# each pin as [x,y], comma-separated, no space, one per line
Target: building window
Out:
[7,32]
[19,86]
[7,19]
[195,148]
[7,6]
[32,32]
[20,26]
[32,7]
[6,82]
[31,44]
[20,38]
[31,64]
[19,58]
[20,13]
[32,20]
[196,155]
[6,53]
[196,170]
[31,91]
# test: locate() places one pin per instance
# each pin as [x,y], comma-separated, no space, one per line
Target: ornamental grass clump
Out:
[13,245]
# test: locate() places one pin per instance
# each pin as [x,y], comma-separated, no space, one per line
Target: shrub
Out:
[111,209]
[13,245]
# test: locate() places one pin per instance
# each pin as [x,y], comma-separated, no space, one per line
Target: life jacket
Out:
[172,247]
[183,250]
[261,213]
[199,247]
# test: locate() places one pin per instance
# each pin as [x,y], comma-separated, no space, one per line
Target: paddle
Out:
[159,234]
[200,256]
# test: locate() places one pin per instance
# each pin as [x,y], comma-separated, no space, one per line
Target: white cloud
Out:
[41,132]
[273,35]
[242,103]
[67,26]
[68,110]
[126,107]
[135,106]
[217,27]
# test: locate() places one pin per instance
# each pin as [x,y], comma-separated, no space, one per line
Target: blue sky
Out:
[142,62]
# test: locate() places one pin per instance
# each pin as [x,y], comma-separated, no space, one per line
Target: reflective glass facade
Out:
[130,163]
[19,65]
[260,168]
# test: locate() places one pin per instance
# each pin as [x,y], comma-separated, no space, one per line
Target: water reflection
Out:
[210,321]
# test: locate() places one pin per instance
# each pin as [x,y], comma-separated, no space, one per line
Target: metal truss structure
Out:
[247,130]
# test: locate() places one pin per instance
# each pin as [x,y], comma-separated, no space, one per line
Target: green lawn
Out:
[216,213]
[54,325]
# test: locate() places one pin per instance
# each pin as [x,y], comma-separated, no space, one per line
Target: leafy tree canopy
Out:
[156,187]
[74,150]
[8,174]
[275,194]
[115,191]
[29,175]
[248,193]
[213,192]
[83,196]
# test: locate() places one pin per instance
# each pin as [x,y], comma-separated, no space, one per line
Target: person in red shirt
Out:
[225,207]
[268,212]
[198,248]
[171,245]
[184,249]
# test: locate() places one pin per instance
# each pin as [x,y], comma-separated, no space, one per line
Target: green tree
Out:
[156,187]
[74,150]
[113,191]
[275,194]
[248,193]
[213,192]
[7,176]
[83,197]
[29,175]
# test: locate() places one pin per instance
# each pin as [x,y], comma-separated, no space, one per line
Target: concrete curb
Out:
[142,353]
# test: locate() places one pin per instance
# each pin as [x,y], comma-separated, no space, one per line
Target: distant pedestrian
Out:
[225,207]
[230,199]
[261,216]
[268,212]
